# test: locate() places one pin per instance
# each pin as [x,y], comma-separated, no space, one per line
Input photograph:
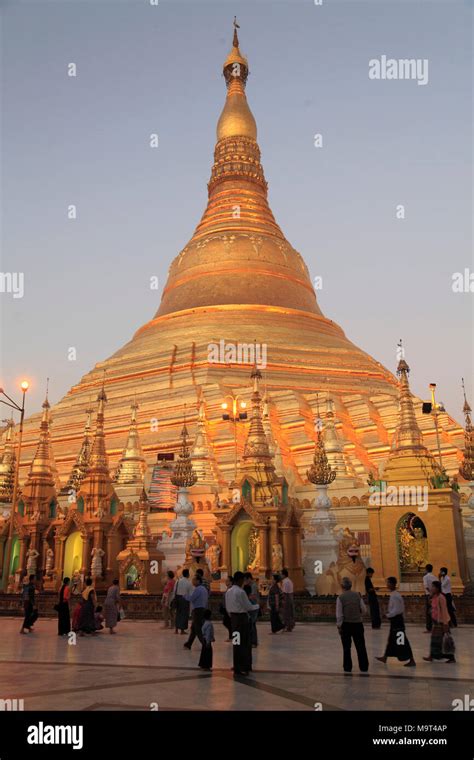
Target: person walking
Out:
[349,611]
[167,601]
[288,612]
[251,588]
[205,660]
[204,582]
[28,597]
[440,616]
[428,579]
[238,605]
[275,603]
[182,590]
[225,615]
[199,600]
[372,599]
[62,608]
[112,606]
[446,590]
[397,645]
[87,620]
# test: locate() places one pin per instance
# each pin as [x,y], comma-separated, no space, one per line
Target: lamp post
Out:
[9,545]
[238,414]
[432,407]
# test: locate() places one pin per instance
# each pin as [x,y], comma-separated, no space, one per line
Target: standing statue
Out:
[277,558]
[32,556]
[76,584]
[254,550]
[96,566]
[49,562]
[213,554]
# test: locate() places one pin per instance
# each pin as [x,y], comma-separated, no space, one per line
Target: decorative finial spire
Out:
[132,466]
[466,469]
[236,39]
[255,375]
[98,459]
[43,467]
[236,66]
[202,455]
[320,472]
[407,434]
[256,447]
[184,475]
[82,463]
[7,465]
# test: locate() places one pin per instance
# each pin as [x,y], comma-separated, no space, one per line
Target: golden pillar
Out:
[85,555]
[263,532]
[226,553]
[2,552]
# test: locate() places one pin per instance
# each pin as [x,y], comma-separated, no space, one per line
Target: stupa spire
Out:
[7,464]
[238,232]
[320,473]
[184,475]
[256,449]
[467,465]
[202,455]
[332,443]
[132,466]
[408,434]
[42,467]
[82,463]
[99,460]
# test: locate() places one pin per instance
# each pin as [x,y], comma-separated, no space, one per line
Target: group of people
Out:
[240,609]
[184,598]
[440,617]
[87,617]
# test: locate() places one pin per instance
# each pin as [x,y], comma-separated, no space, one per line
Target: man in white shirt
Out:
[428,579]
[288,601]
[238,606]
[446,590]
[397,645]
[183,589]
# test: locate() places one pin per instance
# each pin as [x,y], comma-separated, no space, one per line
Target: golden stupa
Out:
[239,281]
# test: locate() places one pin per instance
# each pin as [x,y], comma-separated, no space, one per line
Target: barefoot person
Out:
[87,620]
[182,590]
[275,603]
[28,597]
[440,617]
[238,605]
[397,645]
[288,601]
[64,615]
[349,611]
[112,606]
[372,600]
[445,581]
[167,601]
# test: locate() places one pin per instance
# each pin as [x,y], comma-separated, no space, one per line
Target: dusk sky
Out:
[144,69]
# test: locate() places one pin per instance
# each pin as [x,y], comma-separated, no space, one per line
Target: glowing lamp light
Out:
[243,404]
[24,385]
[224,405]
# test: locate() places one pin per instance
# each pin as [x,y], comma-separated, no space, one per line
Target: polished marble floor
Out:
[145,667]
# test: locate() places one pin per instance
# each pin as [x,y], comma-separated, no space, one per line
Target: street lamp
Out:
[434,408]
[24,385]
[238,414]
